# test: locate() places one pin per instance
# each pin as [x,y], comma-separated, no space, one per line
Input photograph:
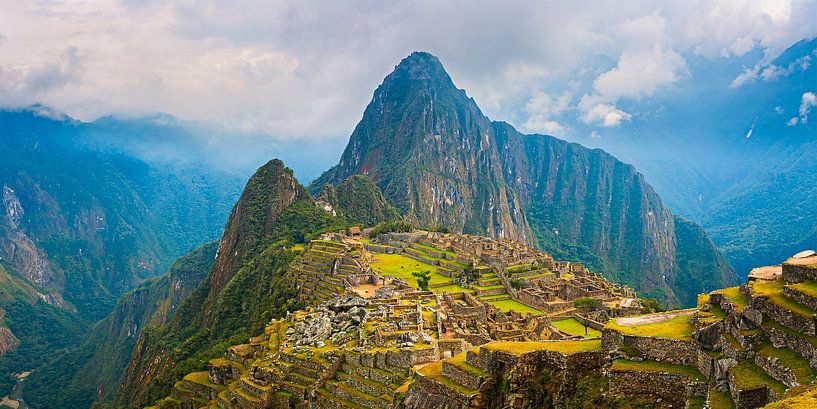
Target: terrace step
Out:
[749,383]
[368,386]
[375,374]
[789,367]
[346,392]
[330,401]
[804,293]
[768,298]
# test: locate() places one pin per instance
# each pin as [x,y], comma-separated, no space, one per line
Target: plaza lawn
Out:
[677,327]
[507,305]
[565,347]
[400,266]
[573,327]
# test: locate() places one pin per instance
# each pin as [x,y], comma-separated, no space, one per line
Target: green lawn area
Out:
[678,327]
[507,305]
[565,347]
[808,287]
[738,299]
[788,358]
[653,366]
[400,266]
[459,361]
[774,291]
[572,326]
[435,371]
[427,247]
[749,376]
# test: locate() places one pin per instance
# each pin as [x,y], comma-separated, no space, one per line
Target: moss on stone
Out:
[657,367]
[738,299]
[749,376]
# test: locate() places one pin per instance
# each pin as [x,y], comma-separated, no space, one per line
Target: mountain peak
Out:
[420,69]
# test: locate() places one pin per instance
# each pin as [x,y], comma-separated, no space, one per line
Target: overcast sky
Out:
[307,69]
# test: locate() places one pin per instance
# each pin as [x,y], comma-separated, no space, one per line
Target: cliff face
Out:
[357,200]
[433,153]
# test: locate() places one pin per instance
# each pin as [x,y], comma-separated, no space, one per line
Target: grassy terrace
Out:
[427,248]
[738,299]
[400,266]
[459,362]
[788,358]
[769,322]
[657,367]
[773,290]
[565,347]
[677,327]
[573,327]
[808,287]
[435,371]
[720,399]
[508,305]
[749,376]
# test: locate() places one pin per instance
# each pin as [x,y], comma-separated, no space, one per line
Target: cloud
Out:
[769,72]
[639,74]
[541,109]
[792,122]
[807,101]
[28,83]
[594,111]
[306,69]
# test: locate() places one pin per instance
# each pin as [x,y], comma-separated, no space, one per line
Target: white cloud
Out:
[307,68]
[768,72]
[639,74]
[541,110]
[779,110]
[603,114]
[807,101]
[792,122]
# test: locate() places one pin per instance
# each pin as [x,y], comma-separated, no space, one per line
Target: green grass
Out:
[565,347]
[738,299]
[653,366]
[773,290]
[675,328]
[808,287]
[427,247]
[572,326]
[459,362]
[749,376]
[400,266]
[453,288]
[720,399]
[508,305]
[788,358]
[435,371]
[769,322]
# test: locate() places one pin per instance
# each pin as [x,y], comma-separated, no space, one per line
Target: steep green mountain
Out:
[39,327]
[245,287]
[78,376]
[433,153]
[82,223]
[358,201]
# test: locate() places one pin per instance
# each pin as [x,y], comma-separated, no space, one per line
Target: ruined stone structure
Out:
[372,340]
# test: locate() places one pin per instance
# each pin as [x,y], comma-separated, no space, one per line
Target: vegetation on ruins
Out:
[423,277]
[391,226]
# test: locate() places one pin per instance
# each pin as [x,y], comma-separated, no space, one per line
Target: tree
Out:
[423,277]
[585,305]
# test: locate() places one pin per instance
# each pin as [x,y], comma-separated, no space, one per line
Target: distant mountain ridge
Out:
[82,223]
[433,153]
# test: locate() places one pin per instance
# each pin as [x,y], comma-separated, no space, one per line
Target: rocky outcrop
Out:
[8,342]
[433,153]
